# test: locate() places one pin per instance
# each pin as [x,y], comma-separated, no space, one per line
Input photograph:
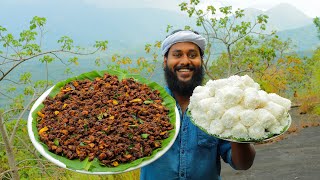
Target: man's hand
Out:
[242,155]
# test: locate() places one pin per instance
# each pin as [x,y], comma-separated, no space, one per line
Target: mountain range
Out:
[129,29]
[289,22]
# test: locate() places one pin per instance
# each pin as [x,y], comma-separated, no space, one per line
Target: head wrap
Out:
[183,36]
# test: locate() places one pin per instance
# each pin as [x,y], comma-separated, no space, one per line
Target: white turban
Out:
[183,36]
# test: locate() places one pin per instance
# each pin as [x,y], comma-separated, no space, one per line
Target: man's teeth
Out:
[184,70]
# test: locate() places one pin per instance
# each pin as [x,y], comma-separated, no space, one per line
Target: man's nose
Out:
[185,60]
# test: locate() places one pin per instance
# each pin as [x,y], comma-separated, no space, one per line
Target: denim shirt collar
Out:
[171,94]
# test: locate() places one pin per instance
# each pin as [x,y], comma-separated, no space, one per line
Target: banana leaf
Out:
[95,165]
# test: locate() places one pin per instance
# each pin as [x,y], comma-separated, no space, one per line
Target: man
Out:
[194,154]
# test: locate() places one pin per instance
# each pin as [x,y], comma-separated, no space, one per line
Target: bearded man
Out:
[194,154]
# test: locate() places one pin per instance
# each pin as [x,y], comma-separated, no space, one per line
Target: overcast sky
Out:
[309,7]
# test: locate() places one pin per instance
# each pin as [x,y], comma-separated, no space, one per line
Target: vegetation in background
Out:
[227,29]
[247,50]
[316,22]
[308,96]
[18,156]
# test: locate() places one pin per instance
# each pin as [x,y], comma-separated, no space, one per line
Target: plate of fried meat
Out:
[104,122]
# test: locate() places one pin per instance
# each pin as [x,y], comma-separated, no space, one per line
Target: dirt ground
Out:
[296,154]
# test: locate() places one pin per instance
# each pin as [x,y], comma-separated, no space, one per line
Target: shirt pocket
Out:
[205,140]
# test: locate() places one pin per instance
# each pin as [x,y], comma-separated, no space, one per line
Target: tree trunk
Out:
[9,150]
[230,60]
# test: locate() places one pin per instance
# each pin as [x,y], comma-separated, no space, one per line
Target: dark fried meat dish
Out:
[114,121]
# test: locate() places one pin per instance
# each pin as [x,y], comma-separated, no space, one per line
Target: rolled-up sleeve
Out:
[225,152]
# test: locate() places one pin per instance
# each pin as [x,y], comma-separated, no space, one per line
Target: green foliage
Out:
[66,43]
[27,36]
[144,66]
[228,29]
[168,28]
[316,109]
[101,45]
[21,151]
[74,60]
[266,59]
[309,96]
[66,175]
[19,93]
[28,91]
[47,59]
[29,50]
[68,71]
[316,22]
[187,28]
[25,78]
[18,102]
[37,22]
[11,88]
[42,84]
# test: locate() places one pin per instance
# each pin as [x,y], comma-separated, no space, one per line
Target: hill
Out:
[285,16]
[305,38]
[126,29]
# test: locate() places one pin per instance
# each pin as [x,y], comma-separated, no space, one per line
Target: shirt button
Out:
[182,174]
[182,151]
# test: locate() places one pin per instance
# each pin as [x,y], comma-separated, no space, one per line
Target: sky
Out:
[309,7]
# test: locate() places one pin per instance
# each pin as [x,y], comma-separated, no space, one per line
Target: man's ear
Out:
[164,61]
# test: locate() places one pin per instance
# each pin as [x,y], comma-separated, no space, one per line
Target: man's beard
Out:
[183,88]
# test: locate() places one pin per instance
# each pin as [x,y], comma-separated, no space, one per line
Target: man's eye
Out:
[192,55]
[177,55]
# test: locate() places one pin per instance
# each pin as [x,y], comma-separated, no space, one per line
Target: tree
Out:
[228,29]
[316,22]
[145,66]
[13,53]
[247,48]
[308,97]
[268,60]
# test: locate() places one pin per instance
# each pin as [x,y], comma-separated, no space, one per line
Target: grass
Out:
[62,174]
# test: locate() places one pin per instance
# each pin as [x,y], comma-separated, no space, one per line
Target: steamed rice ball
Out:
[216,110]
[236,107]
[257,131]
[240,131]
[248,117]
[229,96]
[231,116]
[216,127]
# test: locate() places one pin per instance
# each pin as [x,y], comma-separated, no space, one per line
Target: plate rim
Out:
[40,148]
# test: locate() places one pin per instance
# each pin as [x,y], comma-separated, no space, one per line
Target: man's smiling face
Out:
[183,67]
[182,59]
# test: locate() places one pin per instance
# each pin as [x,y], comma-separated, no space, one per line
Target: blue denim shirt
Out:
[194,155]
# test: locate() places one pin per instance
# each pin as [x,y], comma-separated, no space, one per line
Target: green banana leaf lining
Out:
[95,166]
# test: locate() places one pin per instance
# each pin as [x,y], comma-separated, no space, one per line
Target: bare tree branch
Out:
[12,81]
[5,95]
[41,54]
